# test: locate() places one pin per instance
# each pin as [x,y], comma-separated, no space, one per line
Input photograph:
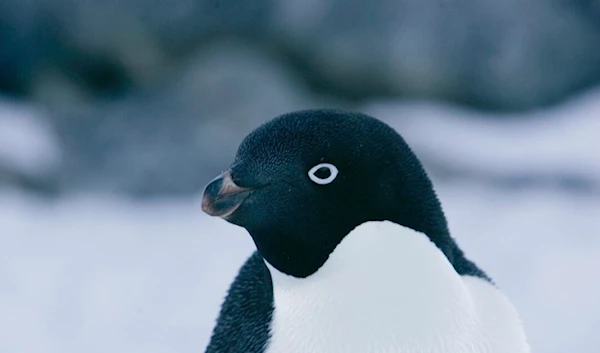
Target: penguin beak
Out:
[222,196]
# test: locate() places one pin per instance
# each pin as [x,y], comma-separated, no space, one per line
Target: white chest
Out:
[384,289]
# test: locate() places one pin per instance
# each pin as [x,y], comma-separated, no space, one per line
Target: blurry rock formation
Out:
[152,97]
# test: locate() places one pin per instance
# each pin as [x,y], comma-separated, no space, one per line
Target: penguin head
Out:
[301,182]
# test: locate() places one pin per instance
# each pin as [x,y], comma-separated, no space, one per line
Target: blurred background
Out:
[115,114]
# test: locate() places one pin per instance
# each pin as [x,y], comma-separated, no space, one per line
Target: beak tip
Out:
[205,204]
[222,196]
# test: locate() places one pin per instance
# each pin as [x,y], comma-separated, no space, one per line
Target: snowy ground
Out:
[560,142]
[27,144]
[105,275]
[92,275]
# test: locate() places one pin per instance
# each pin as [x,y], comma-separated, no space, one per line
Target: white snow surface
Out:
[560,140]
[95,274]
[27,143]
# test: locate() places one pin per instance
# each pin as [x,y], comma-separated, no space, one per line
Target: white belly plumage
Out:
[389,289]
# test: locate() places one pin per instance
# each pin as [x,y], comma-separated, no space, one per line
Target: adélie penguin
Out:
[353,249]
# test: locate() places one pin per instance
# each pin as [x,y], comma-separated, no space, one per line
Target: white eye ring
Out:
[333,172]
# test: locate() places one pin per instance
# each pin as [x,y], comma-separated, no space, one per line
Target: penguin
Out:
[353,251]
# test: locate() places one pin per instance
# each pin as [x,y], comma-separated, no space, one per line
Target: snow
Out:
[559,141]
[89,274]
[95,274]
[27,143]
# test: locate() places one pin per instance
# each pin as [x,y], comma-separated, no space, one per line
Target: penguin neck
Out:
[383,283]
[383,247]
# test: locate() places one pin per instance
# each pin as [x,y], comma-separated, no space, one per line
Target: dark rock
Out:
[173,139]
[491,54]
[108,48]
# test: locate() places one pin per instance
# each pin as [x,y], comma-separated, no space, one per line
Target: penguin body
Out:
[353,250]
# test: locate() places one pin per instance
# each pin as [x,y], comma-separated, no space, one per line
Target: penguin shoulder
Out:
[500,325]
[245,316]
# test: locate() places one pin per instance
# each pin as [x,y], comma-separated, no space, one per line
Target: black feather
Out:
[243,324]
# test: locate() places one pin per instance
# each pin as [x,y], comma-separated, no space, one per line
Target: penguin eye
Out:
[323,173]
